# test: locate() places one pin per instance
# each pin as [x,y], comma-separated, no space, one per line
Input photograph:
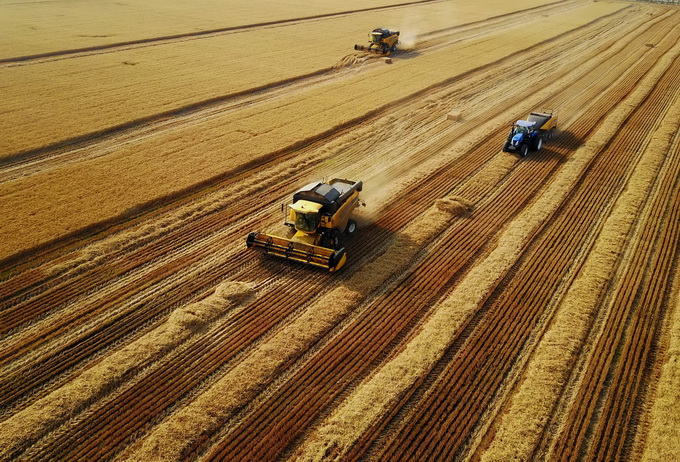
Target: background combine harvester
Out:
[530,134]
[381,41]
[317,218]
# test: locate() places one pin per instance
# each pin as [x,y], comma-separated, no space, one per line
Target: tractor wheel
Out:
[539,143]
[506,146]
[351,227]
[524,150]
[394,48]
[335,242]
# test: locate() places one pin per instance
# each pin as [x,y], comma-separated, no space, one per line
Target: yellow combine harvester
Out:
[381,41]
[317,218]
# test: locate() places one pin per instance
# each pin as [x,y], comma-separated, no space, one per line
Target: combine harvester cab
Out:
[318,216]
[530,134]
[381,41]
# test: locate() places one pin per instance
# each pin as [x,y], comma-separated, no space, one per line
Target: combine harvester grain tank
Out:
[529,135]
[317,219]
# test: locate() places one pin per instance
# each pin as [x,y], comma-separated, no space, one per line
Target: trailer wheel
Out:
[351,227]
[524,150]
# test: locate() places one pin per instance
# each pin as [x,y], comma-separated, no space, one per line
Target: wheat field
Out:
[493,307]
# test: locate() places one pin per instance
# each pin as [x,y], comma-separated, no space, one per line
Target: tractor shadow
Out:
[559,149]
[546,154]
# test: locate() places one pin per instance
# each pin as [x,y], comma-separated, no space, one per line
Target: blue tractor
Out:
[526,135]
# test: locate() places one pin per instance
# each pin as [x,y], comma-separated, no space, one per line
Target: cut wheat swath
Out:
[26,427]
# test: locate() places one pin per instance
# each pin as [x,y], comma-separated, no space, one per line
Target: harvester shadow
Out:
[405,54]
[368,243]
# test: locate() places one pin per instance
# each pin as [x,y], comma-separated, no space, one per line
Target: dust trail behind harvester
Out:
[415,25]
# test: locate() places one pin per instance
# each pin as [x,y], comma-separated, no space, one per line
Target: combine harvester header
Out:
[317,218]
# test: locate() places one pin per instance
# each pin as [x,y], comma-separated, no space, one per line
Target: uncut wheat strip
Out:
[521,425]
[56,27]
[375,396]
[52,159]
[662,434]
[241,384]
[27,426]
[159,169]
[114,88]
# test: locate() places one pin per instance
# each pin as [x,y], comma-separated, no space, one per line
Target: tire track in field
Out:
[264,433]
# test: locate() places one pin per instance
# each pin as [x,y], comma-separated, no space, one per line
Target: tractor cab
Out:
[379,34]
[521,129]
[305,216]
